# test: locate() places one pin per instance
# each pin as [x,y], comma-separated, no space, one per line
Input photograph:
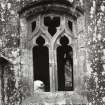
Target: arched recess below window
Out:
[65,65]
[41,63]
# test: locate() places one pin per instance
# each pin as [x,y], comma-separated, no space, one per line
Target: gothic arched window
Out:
[41,62]
[65,65]
[52,52]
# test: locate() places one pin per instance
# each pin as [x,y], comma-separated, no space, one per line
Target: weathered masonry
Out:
[53,50]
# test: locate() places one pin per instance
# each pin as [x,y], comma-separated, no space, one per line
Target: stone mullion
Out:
[75,65]
[55,69]
[51,68]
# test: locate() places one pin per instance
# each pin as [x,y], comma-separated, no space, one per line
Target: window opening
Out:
[33,25]
[70,25]
[41,63]
[52,24]
[65,65]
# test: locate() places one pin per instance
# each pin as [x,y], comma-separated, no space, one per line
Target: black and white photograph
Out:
[52,52]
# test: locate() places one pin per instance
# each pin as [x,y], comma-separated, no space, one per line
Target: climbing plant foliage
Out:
[96,42]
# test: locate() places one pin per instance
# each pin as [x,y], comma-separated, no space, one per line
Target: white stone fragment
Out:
[38,86]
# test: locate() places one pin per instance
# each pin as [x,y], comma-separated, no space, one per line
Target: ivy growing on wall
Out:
[96,41]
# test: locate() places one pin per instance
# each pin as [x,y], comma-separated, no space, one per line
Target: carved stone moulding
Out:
[62,7]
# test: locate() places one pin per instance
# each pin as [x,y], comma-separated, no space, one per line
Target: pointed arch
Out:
[41,62]
[65,65]
[58,37]
[45,41]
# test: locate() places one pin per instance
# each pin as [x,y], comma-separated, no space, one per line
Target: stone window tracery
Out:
[53,52]
[52,23]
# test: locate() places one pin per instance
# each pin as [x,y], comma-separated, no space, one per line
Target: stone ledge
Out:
[58,98]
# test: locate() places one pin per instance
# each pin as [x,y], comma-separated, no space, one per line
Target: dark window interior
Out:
[70,25]
[41,63]
[65,65]
[52,24]
[33,25]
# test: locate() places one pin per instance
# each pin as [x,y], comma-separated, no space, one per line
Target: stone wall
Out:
[57,98]
[78,96]
[77,41]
